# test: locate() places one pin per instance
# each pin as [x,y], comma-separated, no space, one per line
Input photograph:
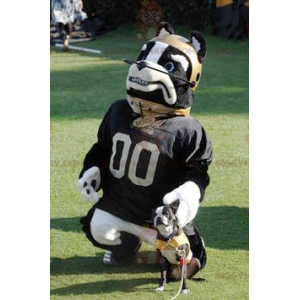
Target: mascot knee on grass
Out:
[149,152]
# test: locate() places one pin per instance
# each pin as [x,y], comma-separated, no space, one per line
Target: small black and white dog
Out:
[174,247]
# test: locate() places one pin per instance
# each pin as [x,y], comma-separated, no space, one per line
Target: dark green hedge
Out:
[193,13]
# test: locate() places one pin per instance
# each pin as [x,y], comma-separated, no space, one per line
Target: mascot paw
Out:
[89,183]
[188,195]
[185,291]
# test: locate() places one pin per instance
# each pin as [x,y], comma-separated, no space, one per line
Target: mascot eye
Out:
[155,14]
[146,14]
[169,66]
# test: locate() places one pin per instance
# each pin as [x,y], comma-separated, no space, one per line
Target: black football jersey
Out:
[139,166]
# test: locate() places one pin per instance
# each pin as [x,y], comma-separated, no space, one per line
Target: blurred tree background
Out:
[193,13]
[226,18]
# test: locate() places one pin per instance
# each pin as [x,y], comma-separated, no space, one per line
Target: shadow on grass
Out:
[103,287]
[222,227]
[66,224]
[94,265]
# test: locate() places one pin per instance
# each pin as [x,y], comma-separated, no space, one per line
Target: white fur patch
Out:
[196,44]
[163,33]
[156,52]
[158,212]
[144,47]
[182,60]
[165,231]
[159,289]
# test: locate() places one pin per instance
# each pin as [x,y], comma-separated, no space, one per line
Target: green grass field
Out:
[82,88]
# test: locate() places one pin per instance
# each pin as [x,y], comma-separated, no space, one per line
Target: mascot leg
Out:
[121,238]
[125,253]
[197,243]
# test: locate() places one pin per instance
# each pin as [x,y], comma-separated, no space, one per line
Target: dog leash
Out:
[182,254]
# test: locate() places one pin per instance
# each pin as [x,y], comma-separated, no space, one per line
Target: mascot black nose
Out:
[141,65]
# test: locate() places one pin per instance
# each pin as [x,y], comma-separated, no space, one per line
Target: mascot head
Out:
[167,71]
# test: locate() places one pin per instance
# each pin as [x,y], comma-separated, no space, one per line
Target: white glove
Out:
[188,195]
[89,183]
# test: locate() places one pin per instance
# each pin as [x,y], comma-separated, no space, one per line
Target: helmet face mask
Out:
[166,67]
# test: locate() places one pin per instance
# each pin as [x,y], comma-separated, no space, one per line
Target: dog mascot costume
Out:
[149,151]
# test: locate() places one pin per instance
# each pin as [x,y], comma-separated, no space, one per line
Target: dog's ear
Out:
[164,29]
[199,44]
[174,206]
[153,214]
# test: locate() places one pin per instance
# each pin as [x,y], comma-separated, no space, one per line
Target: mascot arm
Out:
[95,164]
[197,156]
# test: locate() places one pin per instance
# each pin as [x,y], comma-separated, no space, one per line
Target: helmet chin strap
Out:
[130,62]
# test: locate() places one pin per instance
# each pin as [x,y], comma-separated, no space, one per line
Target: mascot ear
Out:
[199,44]
[164,29]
